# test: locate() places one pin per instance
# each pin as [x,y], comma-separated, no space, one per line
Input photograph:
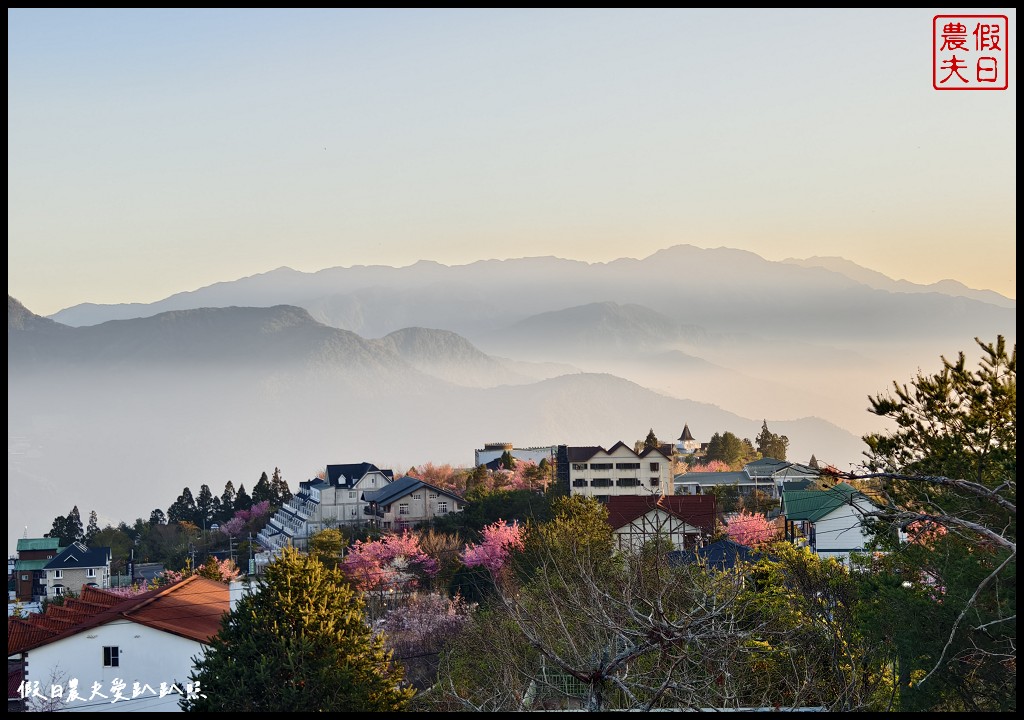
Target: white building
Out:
[601,474]
[319,504]
[493,451]
[117,653]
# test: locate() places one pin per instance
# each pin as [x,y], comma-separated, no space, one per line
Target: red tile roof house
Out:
[686,520]
[117,651]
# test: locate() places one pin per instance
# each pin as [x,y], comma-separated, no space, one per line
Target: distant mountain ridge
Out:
[723,290]
[880,281]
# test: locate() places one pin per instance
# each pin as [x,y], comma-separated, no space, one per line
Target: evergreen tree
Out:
[157,517]
[67,527]
[282,493]
[242,499]
[300,643]
[183,508]
[262,491]
[92,528]
[507,461]
[770,445]
[651,442]
[204,506]
[227,502]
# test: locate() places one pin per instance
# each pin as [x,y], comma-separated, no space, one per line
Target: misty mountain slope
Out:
[450,357]
[21,318]
[606,328]
[880,281]
[723,290]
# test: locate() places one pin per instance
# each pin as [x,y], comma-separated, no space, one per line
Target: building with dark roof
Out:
[409,501]
[766,475]
[719,555]
[322,503]
[686,444]
[77,567]
[592,471]
[687,521]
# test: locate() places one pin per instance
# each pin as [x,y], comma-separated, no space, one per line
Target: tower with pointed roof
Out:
[686,445]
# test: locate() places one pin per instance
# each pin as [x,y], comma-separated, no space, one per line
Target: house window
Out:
[442,507]
[579,482]
[655,482]
[655,467]
[351,495]
[58,590]
[627,482]
[601,482]
[579,466]
[58,574]
[24,577]
[432,496]
[91,572]
[352,512]
[111,656]
[600,466]
[403,508]
[627,466]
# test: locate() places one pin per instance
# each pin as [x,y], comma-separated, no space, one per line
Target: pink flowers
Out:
[500,539]
[750,529]
[393,562]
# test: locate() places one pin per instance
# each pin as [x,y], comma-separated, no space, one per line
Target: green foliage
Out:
[651,442]
[950,468]
[183,508]
[326,546]
[262,491]
[510,505]
[507,461]
[770,445]
[300,643]
[730,449]
[67,527]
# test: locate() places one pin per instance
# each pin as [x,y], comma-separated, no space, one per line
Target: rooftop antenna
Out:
[26,532]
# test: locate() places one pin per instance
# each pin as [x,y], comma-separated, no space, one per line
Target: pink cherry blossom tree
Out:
[395,562]
[751,529]
[500,539]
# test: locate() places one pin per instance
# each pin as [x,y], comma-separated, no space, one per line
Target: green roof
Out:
[813,505]
[38,544]
[30,564]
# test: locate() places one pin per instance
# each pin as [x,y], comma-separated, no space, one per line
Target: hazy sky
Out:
[155,151]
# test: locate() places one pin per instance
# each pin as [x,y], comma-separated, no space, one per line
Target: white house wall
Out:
[841,532]
[633,536]
[146,655]
[655,466]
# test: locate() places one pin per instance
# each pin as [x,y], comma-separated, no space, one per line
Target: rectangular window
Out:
[432,496]
[600,466]
[655,482]
[58,574]
[58,590]
[601,482]
[627,466]
[403,508]
[579,466]
[24,577]
[111,656]
[442,507]
[579,482]
[91,572]
[627,482]
[655,467]
[351,495]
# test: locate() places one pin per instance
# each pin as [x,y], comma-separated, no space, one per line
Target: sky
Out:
[157,151]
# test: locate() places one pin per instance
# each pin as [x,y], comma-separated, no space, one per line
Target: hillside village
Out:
[650,492]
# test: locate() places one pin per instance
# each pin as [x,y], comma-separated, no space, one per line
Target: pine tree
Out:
[183,508]
[282,493]
[204,506]
[300,643]
[651,442]
[242,499]
[262,491]
[92,528]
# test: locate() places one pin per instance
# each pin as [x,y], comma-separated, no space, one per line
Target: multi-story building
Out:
[29,576]
[322,503]
[77,567]
[600,474]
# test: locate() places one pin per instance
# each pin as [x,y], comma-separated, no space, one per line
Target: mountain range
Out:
[119,407]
